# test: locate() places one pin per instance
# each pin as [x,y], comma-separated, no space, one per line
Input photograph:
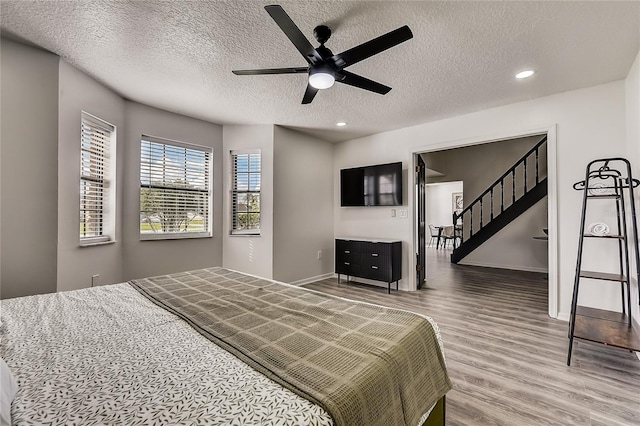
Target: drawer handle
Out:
[374,254]
[347,263]
[347,251]
[374,267]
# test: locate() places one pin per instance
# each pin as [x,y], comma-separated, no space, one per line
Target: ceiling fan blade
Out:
[293,70]
[356,80]
[294,34]
[372,47]
[309,94]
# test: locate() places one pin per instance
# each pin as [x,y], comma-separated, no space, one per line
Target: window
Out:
[245,193]
[175,189]
[97,198]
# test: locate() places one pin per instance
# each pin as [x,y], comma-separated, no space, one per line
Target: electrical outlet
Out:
[94,279]
[403,212]
[319,254]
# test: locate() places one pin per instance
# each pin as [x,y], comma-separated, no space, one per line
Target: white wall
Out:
[303,207]
[590,124]
[439,203]
[76,265]
[513,247]
[250,254]
[632,89]
[156,257]
[374,222]
[29,116]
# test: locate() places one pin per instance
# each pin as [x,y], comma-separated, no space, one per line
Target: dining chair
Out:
[433,231]
[448,234]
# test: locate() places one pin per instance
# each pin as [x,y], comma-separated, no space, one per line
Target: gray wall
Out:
[156,257]
[252,254]
[303,206]
[76,265]
[42,100]
[29,218]
[478,166]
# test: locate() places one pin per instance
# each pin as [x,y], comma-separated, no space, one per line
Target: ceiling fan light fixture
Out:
[321,78]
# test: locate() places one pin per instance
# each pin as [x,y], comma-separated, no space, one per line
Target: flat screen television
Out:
[378,185]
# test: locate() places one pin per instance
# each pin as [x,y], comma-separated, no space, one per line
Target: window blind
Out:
[245,193]
[175,189]
[94,178]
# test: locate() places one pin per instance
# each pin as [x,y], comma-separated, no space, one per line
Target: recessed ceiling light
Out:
[525,74]
[341,123]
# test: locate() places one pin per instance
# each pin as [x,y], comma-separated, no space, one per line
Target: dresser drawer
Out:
[375,272]
[370,249]
[348,268]
[347,250]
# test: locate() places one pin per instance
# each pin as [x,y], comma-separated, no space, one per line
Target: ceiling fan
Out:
[324,67]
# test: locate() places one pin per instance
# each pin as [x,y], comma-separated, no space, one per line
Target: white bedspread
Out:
[108,356]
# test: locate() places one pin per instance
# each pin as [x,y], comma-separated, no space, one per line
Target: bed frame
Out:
[437,416]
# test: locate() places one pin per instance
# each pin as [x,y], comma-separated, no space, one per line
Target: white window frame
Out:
[235,191]
[98,167]
[207,177]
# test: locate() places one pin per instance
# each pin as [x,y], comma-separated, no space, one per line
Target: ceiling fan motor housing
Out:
[322,33]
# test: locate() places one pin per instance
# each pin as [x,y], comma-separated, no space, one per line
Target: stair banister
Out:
[500,181]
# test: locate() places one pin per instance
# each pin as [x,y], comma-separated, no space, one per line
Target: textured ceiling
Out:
[178,55]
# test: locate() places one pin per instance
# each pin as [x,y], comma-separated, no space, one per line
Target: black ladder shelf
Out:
[607,179]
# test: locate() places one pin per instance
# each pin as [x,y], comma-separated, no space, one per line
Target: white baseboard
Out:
[510,267]
[312,279]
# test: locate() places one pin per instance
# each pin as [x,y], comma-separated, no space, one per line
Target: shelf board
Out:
[603,276]
[615,237]
[602,314]
[604,196]
[606,327]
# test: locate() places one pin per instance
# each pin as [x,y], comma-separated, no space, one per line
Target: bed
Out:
[215,346]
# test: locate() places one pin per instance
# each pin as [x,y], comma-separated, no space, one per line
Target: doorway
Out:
[550,209]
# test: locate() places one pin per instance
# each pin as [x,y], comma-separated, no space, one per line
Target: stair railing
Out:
[477,206]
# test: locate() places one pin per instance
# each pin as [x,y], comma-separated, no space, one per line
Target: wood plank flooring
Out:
[505,356]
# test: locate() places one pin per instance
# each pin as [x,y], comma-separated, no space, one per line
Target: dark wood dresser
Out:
[379,260]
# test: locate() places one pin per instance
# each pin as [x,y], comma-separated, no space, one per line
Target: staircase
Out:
[518,189]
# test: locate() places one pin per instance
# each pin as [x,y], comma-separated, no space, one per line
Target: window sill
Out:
[160,237]
[244,235]
[96,243]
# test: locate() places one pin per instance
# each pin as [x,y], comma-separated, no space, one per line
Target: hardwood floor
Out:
[505,356]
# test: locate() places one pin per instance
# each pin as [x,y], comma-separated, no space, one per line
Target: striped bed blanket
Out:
[364,364]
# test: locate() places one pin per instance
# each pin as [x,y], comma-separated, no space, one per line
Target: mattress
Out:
[108,355]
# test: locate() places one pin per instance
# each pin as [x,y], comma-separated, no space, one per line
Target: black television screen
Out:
[379,185]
